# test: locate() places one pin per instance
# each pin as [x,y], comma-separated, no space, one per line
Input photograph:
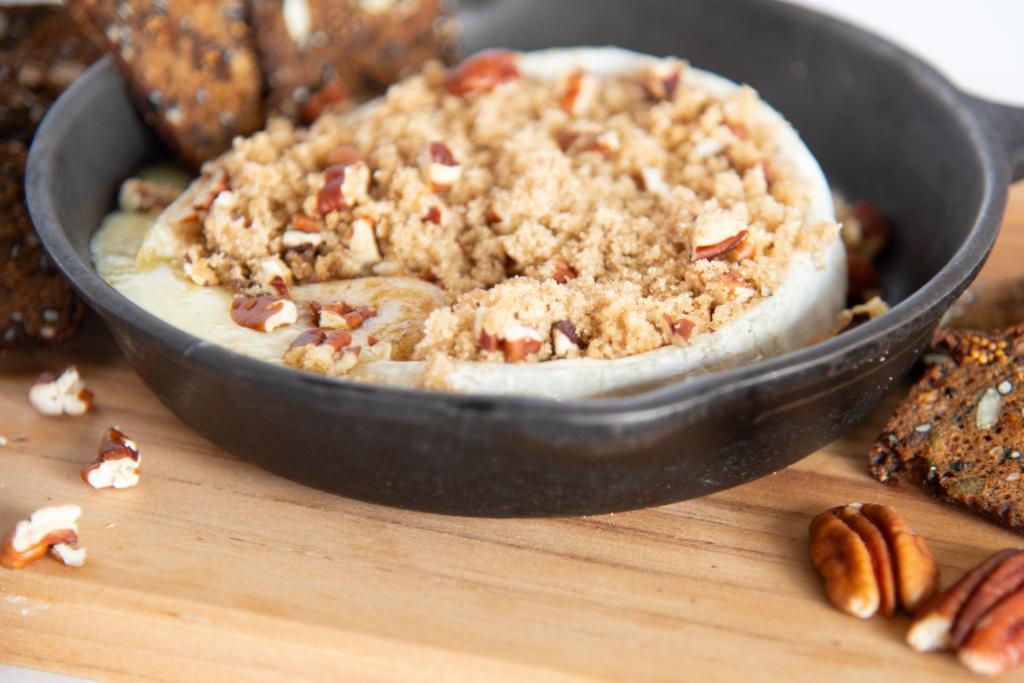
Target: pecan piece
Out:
[329,96]
[933,628]
[303,231]
[63,394]
[562,272]
[263,313]
[345,185]
[341,316]
[717,232]
[661,79]
[116,464]
[564,338]
[681,329]
[482,72]
[440,167]
[30,539]
[578,92]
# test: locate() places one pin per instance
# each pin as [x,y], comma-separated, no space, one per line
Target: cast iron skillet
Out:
[884,126]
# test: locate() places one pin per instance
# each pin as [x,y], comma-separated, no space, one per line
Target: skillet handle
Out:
[1006,125]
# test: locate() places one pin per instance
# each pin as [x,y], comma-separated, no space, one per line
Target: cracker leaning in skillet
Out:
[359,47]
[41,52]
[189,65]
[36,303]
[960,432]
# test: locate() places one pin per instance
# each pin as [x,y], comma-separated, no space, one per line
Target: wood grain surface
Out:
[213,570]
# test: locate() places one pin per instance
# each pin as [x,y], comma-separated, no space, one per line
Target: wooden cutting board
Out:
[213,570]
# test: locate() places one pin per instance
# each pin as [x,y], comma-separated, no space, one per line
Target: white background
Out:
[979,44]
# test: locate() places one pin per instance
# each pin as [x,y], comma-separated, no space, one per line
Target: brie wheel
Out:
[801,311]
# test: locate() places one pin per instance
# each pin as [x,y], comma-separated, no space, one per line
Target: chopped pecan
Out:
[681,328]
[219,184]
[578,92]
[661,79]
[263,313]
[730,286]
[716,232]
[345,185]
[343,155]
[516,341]
[30,539]
[342,316]
[564,338]
[146,196]
[653,180]
[482,72]
[116,464]
[63,394]
[329,96]
[562,272]
[441,168]
[362,241]
[433,215]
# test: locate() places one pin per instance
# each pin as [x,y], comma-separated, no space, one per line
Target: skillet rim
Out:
[647,406]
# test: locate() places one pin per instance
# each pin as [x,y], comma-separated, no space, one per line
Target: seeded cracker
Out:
[189,64]
[361,45]
[41,52]
[960,432]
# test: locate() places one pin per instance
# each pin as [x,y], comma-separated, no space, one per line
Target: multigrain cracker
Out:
[960,432]
[314,53]
[37,305]
[189,65]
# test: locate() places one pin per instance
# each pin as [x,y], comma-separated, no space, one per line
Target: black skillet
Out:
[884,126]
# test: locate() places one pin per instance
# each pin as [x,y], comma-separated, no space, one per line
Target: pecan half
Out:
[116,464]
[997,642]
[933,628]
[1004,579]
[871,561]
[482,72]
[917,574]
[844,562]
[263,313]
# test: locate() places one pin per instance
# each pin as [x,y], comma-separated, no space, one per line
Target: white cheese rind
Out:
[801,311]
